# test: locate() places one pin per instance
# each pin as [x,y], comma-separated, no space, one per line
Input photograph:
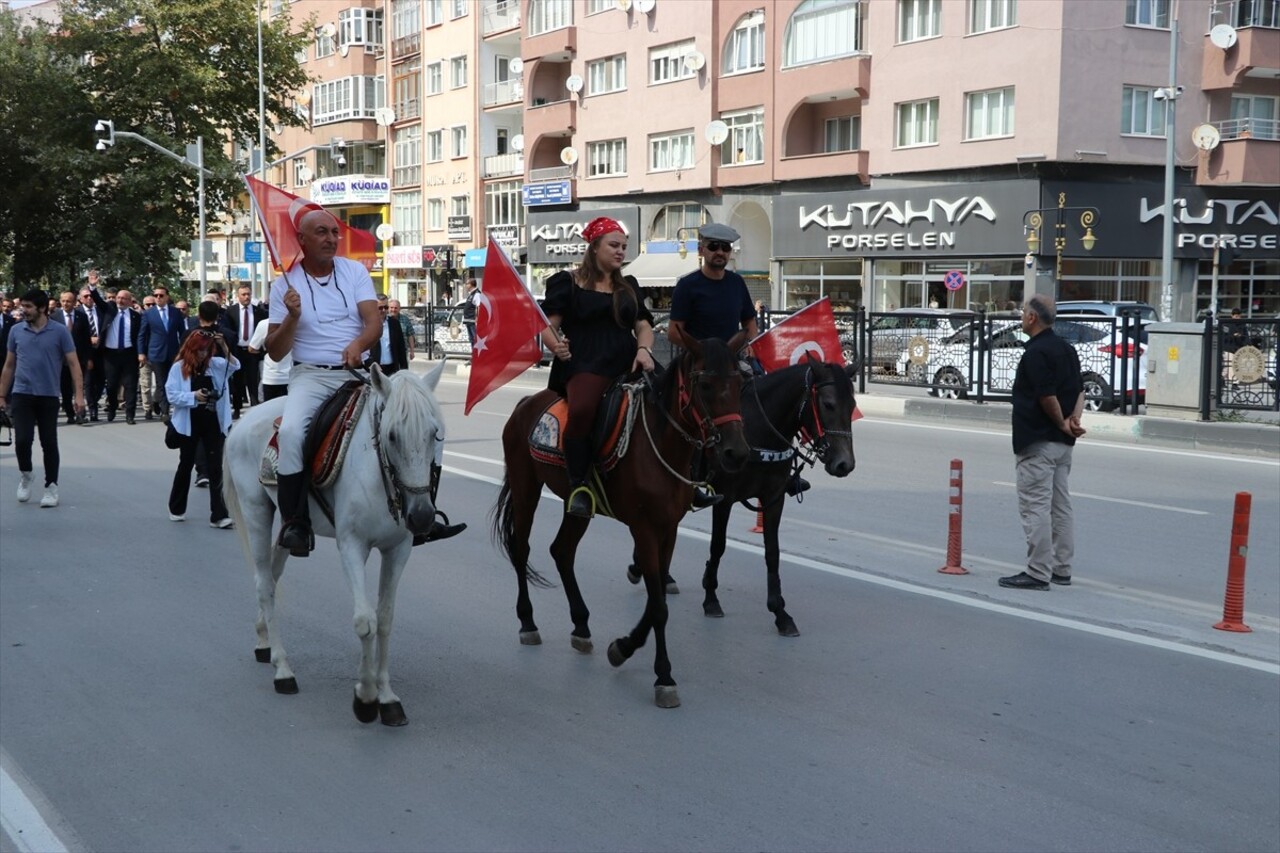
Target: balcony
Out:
[558,45]
[406,46]
[1256,52]
[824,165]
[500,17]
[503,165]
[1249,153]
[550,173]
[503,92]
[557,118]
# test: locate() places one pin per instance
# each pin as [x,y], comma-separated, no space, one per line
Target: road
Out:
[916,711]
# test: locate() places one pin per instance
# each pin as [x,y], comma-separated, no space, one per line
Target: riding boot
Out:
[703,495]
[295,524]
[577,459]
[797,484]
[440,528]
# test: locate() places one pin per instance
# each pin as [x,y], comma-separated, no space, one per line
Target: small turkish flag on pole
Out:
[508,322]
[280,212]
[811,329]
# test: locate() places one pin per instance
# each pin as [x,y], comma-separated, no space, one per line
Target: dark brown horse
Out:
[693,407]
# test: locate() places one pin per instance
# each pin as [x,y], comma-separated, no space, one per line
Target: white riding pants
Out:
[309,387]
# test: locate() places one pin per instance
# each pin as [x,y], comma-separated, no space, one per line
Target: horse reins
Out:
[685,401]
[392,485]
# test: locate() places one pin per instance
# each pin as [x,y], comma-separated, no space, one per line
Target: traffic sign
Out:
[253,252]
[954,280]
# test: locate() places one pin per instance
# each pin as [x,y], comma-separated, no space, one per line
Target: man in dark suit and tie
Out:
[119,351]
[95,379]
[163,328]
[77,323]
[238,323]
[389,351]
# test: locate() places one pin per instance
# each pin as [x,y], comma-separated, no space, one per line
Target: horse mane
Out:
[715,355]
[411,406]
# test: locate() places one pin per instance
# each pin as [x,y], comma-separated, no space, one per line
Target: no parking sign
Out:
[954,280]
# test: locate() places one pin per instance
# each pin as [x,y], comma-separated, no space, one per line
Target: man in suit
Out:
[389,350]
[163,329]
[95,381]
[118,349]
[238,323]
[77,323]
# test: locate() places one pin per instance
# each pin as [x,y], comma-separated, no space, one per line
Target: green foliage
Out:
[168,70]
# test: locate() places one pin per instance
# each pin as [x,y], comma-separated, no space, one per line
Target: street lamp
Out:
[1033,221]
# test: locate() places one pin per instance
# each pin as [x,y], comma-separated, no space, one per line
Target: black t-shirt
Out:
[1049,366]
[712,308]
[596,340]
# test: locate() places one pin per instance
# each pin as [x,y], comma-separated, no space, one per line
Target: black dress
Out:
[597,342]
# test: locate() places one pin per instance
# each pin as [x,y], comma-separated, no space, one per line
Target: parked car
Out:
[449,337]
[890,332]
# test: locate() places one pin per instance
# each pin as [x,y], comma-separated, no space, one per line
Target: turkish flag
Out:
[811,329]
[280,212]
[508,322]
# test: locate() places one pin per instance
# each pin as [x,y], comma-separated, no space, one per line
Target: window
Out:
[1252,116]
[744,49]
[746,137]
[666,63]
[301,172]
[435,214]
[917,123]
[918,19]
[988,114]
[458,72]
[674,221]
[606,158]
[503,204]
[460,205]
[408,156]
[596,6]
[435,78]
[405,21]
[432,12]
[985,15]
[347,98]
[360,26]
[324,44]
[301,55]
[670,151]
[819,30]
[843,134]
[407,89]
[1142,114]
[1147,13]
[548,15]
[607,75]
[458,141]
[406,218]
[435,146]
[457,9]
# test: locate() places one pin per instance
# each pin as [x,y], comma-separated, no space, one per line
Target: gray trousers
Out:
[1044,503]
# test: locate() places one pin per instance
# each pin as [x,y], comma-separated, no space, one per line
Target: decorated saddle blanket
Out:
[610,434]
[327,439]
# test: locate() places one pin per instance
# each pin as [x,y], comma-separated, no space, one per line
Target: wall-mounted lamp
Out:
[681,238]
[1034,220]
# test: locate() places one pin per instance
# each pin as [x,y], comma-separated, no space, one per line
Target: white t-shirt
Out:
[273,372]
[330,320]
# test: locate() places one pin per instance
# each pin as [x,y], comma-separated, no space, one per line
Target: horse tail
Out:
[503,517]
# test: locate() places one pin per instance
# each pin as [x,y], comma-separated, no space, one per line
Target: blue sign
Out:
[253,252]
[474,258]
[547,193]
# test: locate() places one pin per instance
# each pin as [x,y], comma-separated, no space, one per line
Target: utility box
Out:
[1175,368]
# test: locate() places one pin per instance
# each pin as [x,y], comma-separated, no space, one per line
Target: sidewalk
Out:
[1260,437]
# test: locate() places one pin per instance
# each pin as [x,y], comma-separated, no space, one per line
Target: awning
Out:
[660,269]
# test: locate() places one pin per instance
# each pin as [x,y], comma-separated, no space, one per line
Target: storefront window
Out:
[1251,286]
[1115,281]
[804,282]
[989,285]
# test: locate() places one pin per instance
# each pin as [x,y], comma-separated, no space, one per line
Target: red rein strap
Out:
[686,403]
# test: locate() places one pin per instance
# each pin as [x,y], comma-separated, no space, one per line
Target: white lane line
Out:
[1142,504]
[22,822]
[955,598]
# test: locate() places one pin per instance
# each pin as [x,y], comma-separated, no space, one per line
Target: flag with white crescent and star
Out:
[279,212]
[811,329]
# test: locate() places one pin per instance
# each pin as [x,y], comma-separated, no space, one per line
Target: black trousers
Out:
[244,382]
[206,438]
[69,392]
[122,368]
[95,379]
[159,398]
[30,413]
[270,392]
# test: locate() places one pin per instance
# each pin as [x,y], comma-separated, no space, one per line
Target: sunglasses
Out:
[382,308]
[718,246]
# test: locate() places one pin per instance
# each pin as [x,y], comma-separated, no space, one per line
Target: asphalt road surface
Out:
[916,711]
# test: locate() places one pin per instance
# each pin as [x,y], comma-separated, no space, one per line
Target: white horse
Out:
[381,498]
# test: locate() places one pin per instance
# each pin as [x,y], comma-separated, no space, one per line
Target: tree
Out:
[169,70]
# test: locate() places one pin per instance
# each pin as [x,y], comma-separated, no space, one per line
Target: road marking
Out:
[1142,504]
[21,821]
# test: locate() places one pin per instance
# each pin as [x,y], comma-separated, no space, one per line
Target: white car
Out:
[946,365]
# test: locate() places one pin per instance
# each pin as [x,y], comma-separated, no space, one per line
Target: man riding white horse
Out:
[324,312]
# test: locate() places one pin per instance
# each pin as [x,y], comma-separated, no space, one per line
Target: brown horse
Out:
[693,407]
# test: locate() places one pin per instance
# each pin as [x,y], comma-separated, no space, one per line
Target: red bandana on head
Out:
[600,225]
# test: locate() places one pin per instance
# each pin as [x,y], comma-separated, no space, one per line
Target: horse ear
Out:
[737,342]
[853,368]
[433,376]
[379,380]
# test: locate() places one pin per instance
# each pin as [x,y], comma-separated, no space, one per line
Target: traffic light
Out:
[106,131]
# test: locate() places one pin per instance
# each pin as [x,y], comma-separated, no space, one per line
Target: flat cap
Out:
[716,231]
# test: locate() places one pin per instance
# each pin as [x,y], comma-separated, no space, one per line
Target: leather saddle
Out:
[327,439]
[612,425]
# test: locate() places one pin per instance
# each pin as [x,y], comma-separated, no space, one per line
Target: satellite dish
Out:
[384,232]
[574,83]
[716,132]
[694,61]
[304,174]
[1223,36]
[624,5]
[517,142]
[384,116]
[568,156]
[516,65]
[345,49]
[1206,137]
[646,6]
[328,31]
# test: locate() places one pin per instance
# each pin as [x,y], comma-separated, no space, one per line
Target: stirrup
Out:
[297,538]
[704,496]
[797,484]
[440,529]
[581,502]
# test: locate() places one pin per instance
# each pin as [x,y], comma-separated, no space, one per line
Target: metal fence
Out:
[1245,363]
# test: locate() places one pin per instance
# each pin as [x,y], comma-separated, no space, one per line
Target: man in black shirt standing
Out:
[1048,397]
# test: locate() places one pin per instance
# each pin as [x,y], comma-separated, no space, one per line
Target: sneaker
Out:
[50,498]
[1061,580]
[1022,580]
[221,524]
[24,488]
[176,517]
[202,482]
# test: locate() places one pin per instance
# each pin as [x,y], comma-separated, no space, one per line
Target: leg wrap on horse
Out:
[295,522]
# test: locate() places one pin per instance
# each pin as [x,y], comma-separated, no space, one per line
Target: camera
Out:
[204,382]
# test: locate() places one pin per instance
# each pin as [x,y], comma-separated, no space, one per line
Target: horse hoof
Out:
[616,657]
[787,628]
[366,712]
[713,610]
[582,644]
[665,696]
[671,587]
[262,655]
[530,638]
[632,574]
[287,686]
[392,714]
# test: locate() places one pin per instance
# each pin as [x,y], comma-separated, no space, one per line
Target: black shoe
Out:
[130,421]
[296,538]
[71,420]
[581,503]
[439,531]
[1022,580]
[149,416]
[703,498]
[111,416]
[1061,580]
[797,484]
[93,415]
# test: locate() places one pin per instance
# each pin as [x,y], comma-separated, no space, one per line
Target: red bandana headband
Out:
[598,226]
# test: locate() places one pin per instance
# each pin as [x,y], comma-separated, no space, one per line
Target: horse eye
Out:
[391,436]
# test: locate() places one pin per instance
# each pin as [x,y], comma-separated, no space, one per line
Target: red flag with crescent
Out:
[508,322]
[811,329]
[279,212]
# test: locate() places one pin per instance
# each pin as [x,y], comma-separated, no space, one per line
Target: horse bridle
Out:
[687,400]
[395,488]
[819,443]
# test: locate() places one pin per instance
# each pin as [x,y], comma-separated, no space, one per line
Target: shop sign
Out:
[437,257]
[506,236]
[458,227]
[1233,223]
[547,193]
[351,189]
[556,238]
[403,257]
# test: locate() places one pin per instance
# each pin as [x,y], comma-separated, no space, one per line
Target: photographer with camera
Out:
[201,412]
